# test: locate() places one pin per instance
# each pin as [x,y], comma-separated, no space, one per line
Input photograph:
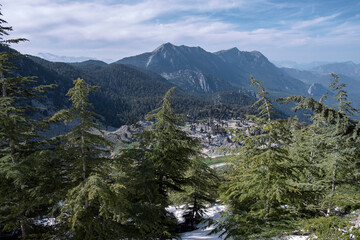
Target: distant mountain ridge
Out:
[68,59]
[319,79]
[299,66]
[349,69]
[126,93]
[177,63]
[348,72]
[57,58]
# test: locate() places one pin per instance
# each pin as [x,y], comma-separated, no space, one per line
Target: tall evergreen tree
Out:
[308,149]
[260,187]
[335,171]
[170,147]
[23,170]
[92,207]
[161,161]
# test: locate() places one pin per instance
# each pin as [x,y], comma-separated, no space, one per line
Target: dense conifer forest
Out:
[284,177]
[127,94]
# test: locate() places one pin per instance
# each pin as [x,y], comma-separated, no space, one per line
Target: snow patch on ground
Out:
[292,238]
[202,233]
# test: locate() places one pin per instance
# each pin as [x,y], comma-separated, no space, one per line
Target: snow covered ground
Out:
[211,212]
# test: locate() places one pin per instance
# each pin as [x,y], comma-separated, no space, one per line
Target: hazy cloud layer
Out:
[112,29]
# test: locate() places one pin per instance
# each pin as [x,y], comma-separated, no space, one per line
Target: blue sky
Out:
[301,31]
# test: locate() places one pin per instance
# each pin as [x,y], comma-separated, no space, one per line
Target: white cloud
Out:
[315,22]
[115,29]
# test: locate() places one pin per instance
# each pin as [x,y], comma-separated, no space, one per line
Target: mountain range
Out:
[56,58]
[300,66]
[209,84]
[348,72]
[212,72]
[126,93]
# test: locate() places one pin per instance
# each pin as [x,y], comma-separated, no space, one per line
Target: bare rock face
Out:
[214,135]
[316,89]
[126,133]
[195,81]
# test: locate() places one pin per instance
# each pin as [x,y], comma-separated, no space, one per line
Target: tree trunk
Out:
[312,154]
[23,230]
[86,205]
[268,110]
[195,208]
[333,188]
[12,150]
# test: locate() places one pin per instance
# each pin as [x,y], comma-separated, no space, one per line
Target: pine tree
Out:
[308,149]
[170,147]
[92,207]
[260,187]
[23,166]
[340,150]
[335,173]
[161,161]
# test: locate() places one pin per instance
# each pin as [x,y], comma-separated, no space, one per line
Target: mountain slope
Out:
[191,68]
[194,81]
[256,64]
[319,79]
[187,66]
[347,73]
[126,93]
[303,75]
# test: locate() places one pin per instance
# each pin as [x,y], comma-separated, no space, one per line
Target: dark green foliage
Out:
[330,157]
[260,187]
[200,192]
[345,126]
[308,151]
[93,203]
[148,218]
[171,148]
[24,166]
[331,228]
[127,94]
[160,163]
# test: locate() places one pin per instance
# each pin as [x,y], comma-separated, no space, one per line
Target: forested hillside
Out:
[126,94]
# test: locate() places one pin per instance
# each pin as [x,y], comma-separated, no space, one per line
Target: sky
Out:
[296,30]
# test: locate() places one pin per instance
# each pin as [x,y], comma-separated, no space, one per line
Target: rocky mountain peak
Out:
[234,55]
[232,51]
[257,54]
[316,89]
[173,49]
[165,47]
